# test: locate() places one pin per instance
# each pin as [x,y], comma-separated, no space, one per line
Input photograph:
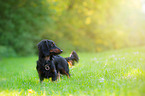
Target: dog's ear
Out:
[44,48]
[47,44]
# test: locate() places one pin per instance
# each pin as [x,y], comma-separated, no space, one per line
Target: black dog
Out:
[50,64]
[45,65]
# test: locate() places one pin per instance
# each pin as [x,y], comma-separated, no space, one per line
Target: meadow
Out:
[110,73]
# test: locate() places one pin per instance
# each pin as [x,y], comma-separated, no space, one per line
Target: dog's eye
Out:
[52,44]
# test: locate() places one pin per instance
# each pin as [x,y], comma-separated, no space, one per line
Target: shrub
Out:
[6,52]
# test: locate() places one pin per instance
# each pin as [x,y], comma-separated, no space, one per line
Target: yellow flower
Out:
[30,91]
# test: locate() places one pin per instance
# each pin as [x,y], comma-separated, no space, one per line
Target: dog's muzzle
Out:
[56,51]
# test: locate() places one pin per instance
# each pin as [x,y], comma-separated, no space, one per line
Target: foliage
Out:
[81,25]
[120,72]
[21,22]
[6,52]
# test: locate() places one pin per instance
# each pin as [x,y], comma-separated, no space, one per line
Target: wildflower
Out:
[141,59]
[129,76]
[115,59]
[102,80]
[105,65]
[95,58]
[136,52]
[113,55]
[30,91]
[97,61]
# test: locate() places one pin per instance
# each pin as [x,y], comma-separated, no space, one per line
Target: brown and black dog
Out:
[50,64]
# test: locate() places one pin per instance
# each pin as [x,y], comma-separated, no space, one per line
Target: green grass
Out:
[111,73]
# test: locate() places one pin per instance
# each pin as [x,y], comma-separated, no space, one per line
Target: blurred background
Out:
[81,25]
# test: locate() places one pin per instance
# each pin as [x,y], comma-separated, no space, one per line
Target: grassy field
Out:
[111,73]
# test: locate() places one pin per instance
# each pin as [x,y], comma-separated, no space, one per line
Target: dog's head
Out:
[48,47]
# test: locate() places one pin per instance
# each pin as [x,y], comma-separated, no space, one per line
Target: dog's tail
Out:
[72,59]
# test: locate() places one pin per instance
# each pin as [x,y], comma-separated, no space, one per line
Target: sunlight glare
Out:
[143,5]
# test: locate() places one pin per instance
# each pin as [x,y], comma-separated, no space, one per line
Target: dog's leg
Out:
[58,75]
[41,79]
[64,72]
[54,77]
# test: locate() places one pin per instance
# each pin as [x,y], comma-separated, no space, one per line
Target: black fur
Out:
[50,64]
[44,48]
[61,65]
[46,67]
[43,73]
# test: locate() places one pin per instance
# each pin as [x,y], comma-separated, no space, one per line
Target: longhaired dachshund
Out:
[50,64]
